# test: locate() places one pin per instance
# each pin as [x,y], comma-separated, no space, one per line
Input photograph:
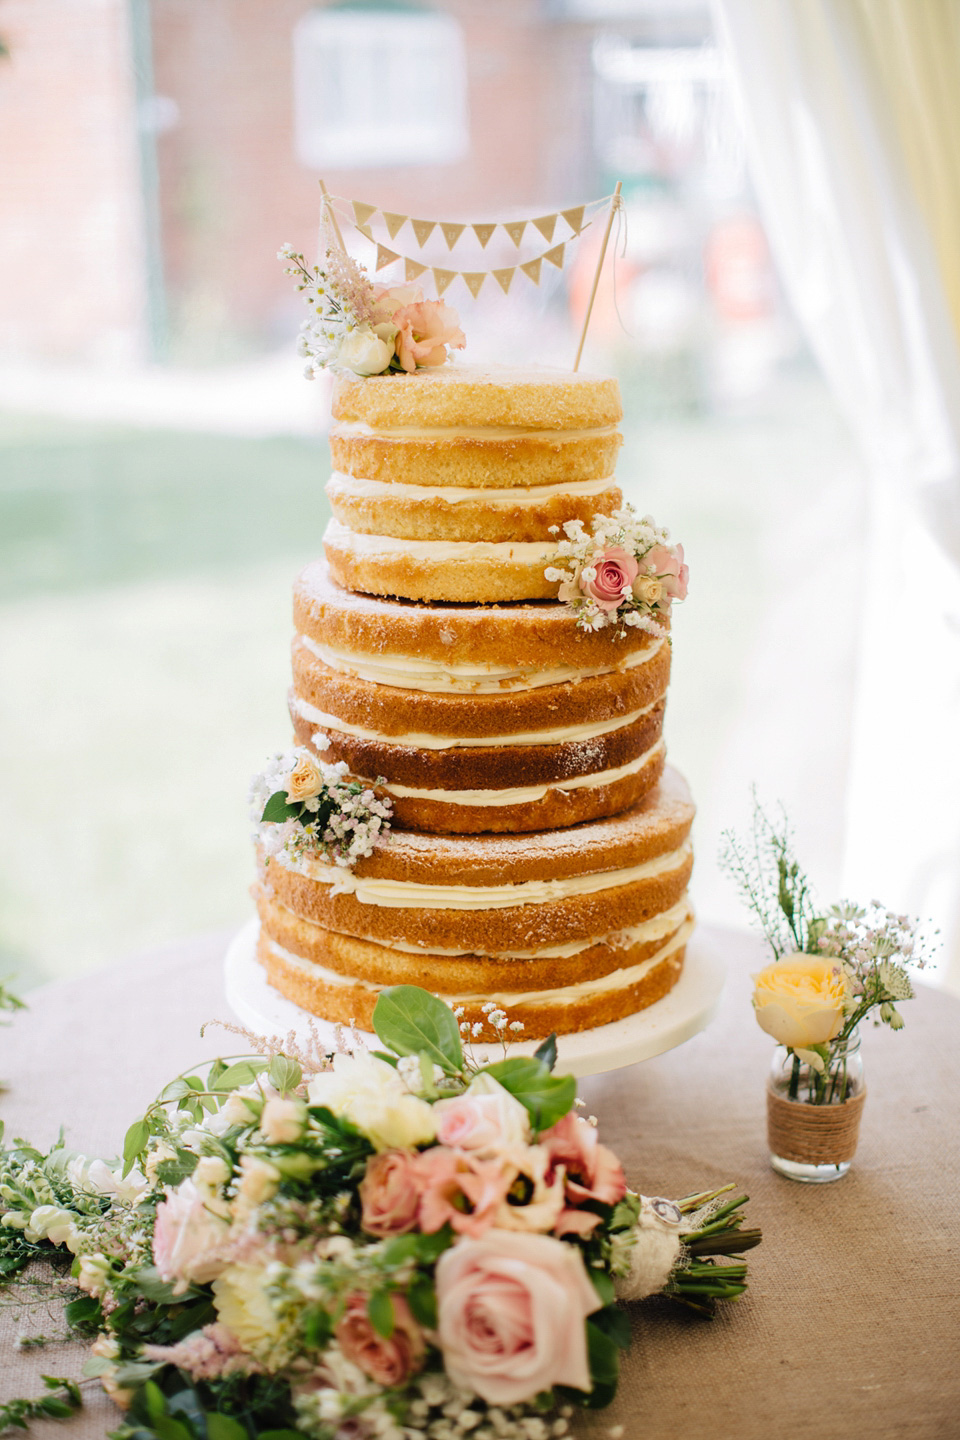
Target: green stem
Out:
[794,1078]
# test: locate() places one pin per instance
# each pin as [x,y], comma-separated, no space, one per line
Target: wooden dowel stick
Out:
[614,207]
[329,210]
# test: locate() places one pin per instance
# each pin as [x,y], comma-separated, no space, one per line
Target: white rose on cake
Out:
[363,352]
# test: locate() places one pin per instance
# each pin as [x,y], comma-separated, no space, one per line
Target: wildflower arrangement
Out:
[625,573]
[363,329]
[390,1244]
[301,806]
[832,969]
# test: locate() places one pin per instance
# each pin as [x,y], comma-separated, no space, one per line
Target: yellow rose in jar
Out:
[305,780]
[799,1000]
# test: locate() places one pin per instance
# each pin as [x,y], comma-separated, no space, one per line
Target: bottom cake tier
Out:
[564,930]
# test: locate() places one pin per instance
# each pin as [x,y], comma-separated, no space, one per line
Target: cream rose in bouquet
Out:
[412,1242]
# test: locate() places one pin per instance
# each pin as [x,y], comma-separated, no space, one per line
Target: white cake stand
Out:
[686,1010]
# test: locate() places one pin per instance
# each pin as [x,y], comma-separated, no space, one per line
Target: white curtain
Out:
[851,113]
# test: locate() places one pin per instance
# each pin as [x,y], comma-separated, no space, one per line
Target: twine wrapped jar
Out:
[813,1119]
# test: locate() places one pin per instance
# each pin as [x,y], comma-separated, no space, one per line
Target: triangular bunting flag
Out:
[504,278]
[574,218]
[515,230]
[385,256]
[546,224]
[483,233]
[443,278]
[362,213]
[532,268]
[473,279]
[555,256]
[412,268]
[394,222]
[365,231]
[451,233]
[423,229]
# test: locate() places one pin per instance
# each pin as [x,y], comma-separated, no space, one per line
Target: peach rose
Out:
[591,1172]
[424,331]
[611,574]
[387,1361]
[459,1188]
[305,780]
[799,1000]
[668,566]
[511,1311]
[390,1193]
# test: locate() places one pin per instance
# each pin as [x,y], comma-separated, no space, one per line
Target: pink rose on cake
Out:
[605,580]
[511,1311]
[423,333]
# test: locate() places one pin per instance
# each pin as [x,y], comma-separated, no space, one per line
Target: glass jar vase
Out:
[813,1117]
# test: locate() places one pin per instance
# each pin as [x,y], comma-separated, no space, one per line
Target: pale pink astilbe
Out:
[208,1354]
[312,1057]
[349,283]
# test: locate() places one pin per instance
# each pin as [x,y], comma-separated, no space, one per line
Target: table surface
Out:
[851,1325]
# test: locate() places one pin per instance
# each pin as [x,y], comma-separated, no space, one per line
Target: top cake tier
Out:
[447,483]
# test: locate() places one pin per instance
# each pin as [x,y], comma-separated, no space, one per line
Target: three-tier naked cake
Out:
[539,852]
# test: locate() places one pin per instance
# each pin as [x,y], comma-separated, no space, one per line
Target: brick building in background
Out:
[152,161]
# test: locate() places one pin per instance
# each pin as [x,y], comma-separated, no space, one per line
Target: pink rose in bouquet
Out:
[387,1361]
[511,1310]
[390,1193]
[424,331]
[485,1119]
[613,572]
[187,1236]
[591,1172]
[459,1188]
[669,567]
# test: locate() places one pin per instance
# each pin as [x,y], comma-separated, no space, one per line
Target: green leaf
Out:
[82,1311]
[173,1172]
[547,1097]
[385,1055]
[242,1072]
[401,1249]
[214,1073]
[153,1287]
[547,1050]
[602,1284]
[409,1020]
[279,1435]
[380,1312]
[317,1328]
[174,1091]
[134,1142]
[284,1074]
[431,1247]
[169,1429]
[224,1427]
[278,809]
[614,1322]
[422,1299]
[155,1401]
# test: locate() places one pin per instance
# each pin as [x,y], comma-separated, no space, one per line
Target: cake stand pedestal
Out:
[686,1010]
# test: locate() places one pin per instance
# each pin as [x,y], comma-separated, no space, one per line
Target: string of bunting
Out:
[363,216]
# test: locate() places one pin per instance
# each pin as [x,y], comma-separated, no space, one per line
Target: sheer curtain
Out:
[852,121]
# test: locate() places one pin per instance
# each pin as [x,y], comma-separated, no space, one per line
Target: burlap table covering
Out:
[851,1324]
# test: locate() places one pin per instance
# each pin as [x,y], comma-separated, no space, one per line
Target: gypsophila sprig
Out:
[303,808]
[625,573]
[322,1252]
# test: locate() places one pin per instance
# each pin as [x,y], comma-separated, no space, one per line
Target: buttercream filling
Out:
[417,740]
[523,794]
[524,552]
[358,488]
[658,928]
[346,428]
[412,672]
[563,995]
[411,894]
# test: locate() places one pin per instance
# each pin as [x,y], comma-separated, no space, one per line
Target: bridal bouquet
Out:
[393,1244]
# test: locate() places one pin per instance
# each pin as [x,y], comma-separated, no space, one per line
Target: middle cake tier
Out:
[478,717]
